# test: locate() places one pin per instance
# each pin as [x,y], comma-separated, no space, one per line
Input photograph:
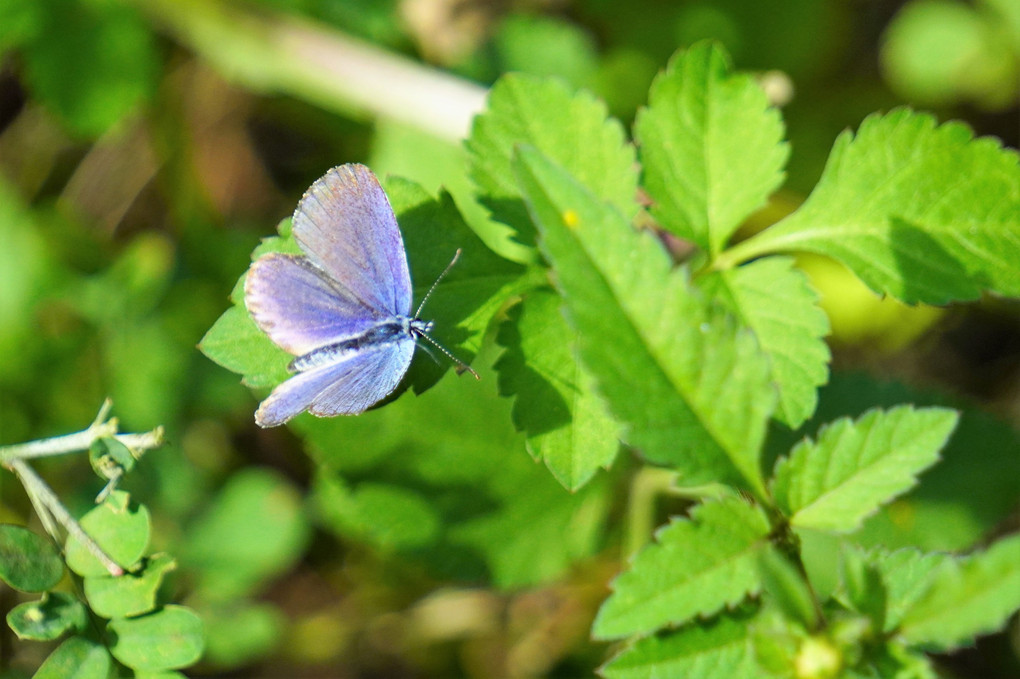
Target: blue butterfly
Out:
[342,309]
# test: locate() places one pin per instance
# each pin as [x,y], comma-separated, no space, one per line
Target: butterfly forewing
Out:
[296,304]
[346,227]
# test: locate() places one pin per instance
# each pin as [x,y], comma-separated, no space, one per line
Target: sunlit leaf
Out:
[972,596]
[705,393]
[921,212]
[555,404]
[853,468]
[711,147]
[696,567]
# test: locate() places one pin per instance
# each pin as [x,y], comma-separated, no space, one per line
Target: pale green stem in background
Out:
[273,52]
[646,487]
[46,503]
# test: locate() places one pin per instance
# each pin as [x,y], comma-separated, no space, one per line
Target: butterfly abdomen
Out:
[385,334]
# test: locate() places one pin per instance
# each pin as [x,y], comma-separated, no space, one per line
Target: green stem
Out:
[44,499]
[78,441]
[755,246]
[58,445]
[647,484]
[46,503]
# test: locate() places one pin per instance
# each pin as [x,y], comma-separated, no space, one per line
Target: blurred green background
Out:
[147,145]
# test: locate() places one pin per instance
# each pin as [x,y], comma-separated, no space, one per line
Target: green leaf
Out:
[28,273]
[907,574]
[786,587]
[254,529]
[463,305]
[895,660]
[777,642]
[711,147]
[775,300]
[404,150]
[864,585]
[572,129]
[705,394]
[119,528]
[698,566]
[566,422]
[110,459]
[131,593]
[966,598]
[76,658]
[855,467]
[941,54]
[21,20]
[921,212]
[390,516]
[720,647]
[236,343]
[91,63]
[492,515]
[167,639]
[28,562]
[49,618]
[545,45]
[970,491]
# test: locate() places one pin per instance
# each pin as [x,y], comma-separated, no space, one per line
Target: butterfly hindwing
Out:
[372,376]
[346,387]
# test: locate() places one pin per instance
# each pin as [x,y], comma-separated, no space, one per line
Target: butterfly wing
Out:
[346,227]
[297,305]
[348,387]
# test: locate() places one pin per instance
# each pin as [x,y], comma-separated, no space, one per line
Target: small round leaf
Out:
[28,562]
[110,458]
[48,618]
[131,593]
[119,527]
[76,658]
[167,639]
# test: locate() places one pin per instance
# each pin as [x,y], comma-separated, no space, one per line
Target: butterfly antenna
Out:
[428,294]
[462,367]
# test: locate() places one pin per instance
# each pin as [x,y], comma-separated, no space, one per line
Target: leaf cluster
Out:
[123,619]
[637,317]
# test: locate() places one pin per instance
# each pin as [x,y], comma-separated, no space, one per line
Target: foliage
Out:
[119,613]
[662,328]
[685,368]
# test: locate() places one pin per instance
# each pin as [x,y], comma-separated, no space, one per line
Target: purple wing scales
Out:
[345,388]
[345,225]
[300,309]
[365,380]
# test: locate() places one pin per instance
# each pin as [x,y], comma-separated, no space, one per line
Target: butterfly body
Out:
[378,337]
[343,308]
